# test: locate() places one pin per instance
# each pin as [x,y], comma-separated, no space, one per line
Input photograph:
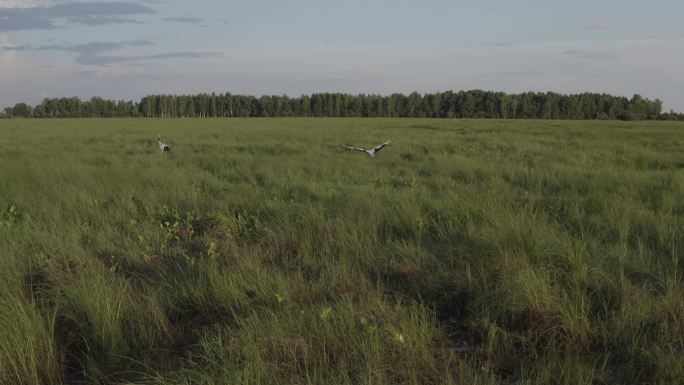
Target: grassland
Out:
[260,252]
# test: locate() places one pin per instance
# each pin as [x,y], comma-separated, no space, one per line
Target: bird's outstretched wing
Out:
[355,148]
[380,146]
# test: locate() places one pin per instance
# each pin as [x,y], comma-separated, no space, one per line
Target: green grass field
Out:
[261,252]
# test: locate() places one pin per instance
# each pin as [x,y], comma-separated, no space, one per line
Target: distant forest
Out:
[449,104]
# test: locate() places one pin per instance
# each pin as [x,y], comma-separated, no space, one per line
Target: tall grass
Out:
[259,251]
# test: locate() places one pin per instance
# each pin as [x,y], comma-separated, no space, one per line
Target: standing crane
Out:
[163,147]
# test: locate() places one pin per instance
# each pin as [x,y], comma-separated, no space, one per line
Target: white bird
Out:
[371,152]
[163,147]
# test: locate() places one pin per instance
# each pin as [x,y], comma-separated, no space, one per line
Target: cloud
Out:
[104,60]
[93,53]
[85,73]
[496,11]
[11,67]
[96,9]
[491,44]
[102,20]
[592,55]
[87,13]
[23,23]
[600,25]
[183,19]
[512,74]
[21,3]
[87,48]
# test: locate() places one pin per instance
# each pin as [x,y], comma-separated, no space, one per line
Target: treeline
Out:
[449,104]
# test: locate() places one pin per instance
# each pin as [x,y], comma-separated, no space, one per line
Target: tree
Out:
[415,104]
[464,104]
[21,110]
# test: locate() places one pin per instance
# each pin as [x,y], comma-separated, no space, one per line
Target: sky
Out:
[128,49]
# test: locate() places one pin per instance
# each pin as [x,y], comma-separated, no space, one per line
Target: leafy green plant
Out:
[9,216]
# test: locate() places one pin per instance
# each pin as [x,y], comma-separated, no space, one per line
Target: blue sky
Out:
[126,49]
